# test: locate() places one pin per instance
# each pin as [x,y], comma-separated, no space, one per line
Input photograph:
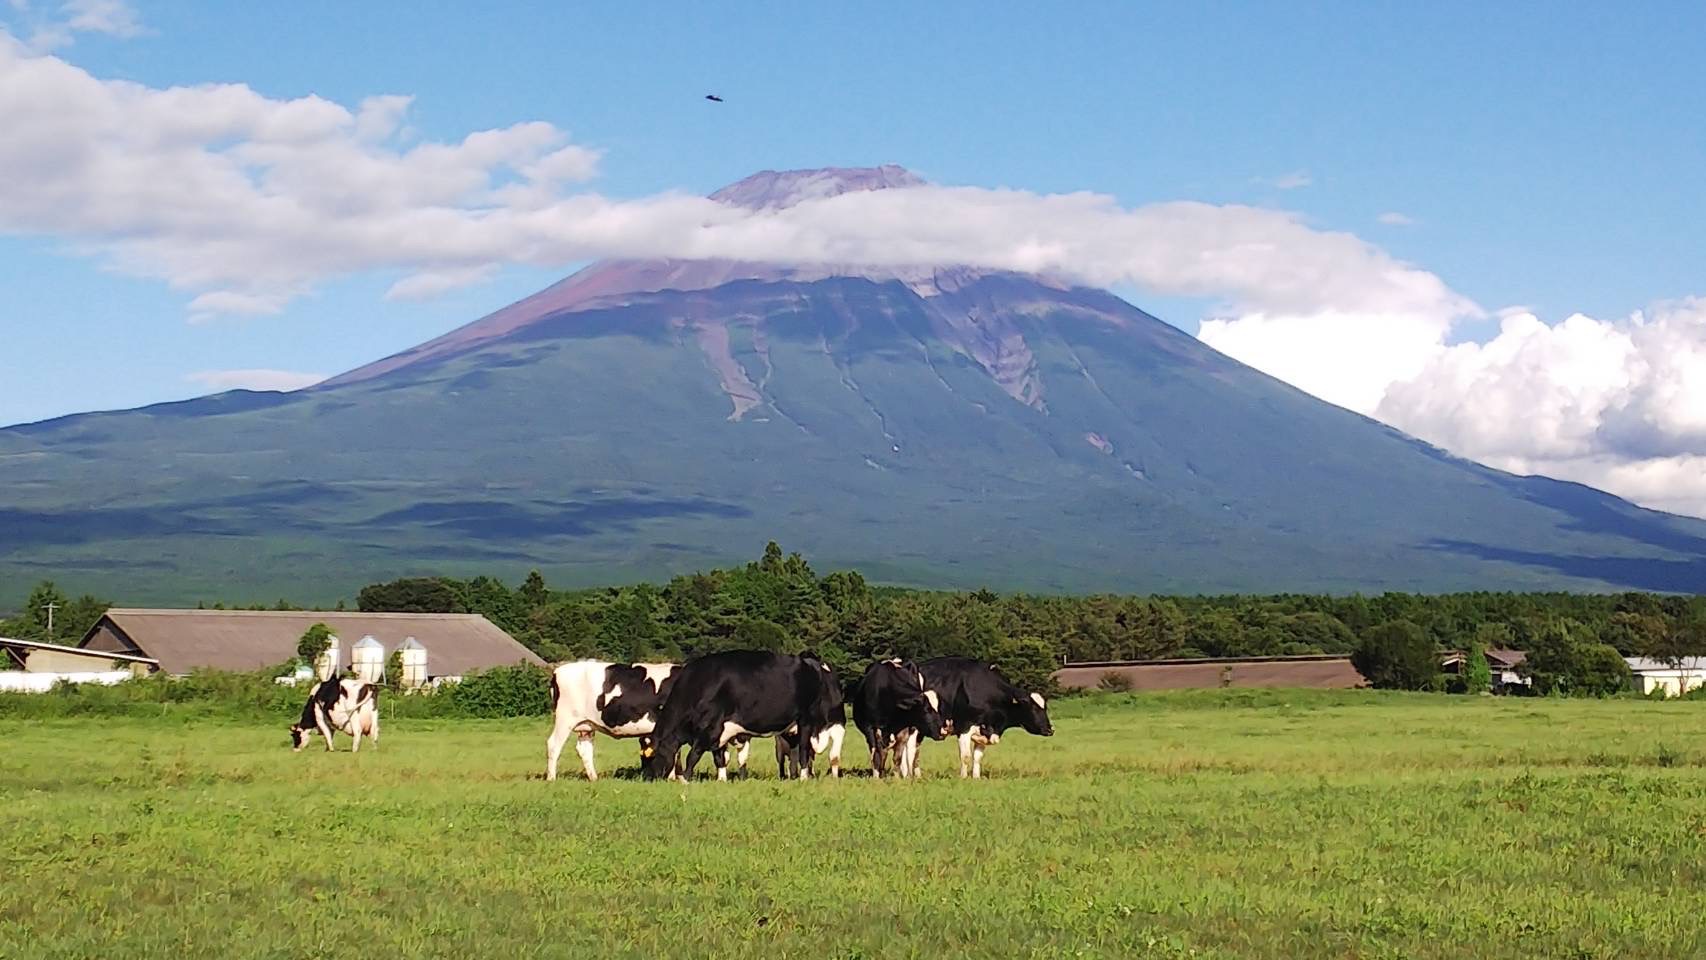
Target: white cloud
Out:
[1583,390]
[286,380]
[116,18]
[245,202]
[1618,404]
[1393,218]
[1295,180]
[432,283]
[47,31]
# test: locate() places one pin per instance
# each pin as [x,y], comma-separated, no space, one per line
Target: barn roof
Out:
[1309,670]
[185,640]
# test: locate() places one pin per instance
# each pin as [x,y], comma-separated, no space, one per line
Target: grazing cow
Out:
[744,693]
[980,705]
[787,744]
[347,705]
[891,707]
[589,697]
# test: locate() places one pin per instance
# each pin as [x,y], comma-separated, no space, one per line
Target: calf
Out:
[892,705]
[980,705]
[744,693]
[347,705]
[589,697]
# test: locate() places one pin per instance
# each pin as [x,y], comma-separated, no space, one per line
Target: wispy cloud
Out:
[285,380]
[1393,218]
[1295,180]
[53,27]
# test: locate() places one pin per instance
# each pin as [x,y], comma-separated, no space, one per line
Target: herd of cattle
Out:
[721,701]
[724,700]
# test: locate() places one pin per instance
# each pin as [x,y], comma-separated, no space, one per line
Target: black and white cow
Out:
[589,697]
[347,705]
[980,705]
[827,743]
[721,696]
[892,706]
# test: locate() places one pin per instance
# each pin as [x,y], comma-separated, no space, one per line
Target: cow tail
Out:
[556,693]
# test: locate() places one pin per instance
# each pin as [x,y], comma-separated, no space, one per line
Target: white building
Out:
[1674,680]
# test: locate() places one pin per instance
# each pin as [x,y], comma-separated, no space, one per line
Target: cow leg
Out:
[781,757]
[583,746]
[977,761]
[744,751]
[355,732]
[325,726]
[916,772]
[693,754]
[803,756]
[965,755]
[911,754]
[879,756]
[373,728]
[720,757]
[837,735]
[561,729]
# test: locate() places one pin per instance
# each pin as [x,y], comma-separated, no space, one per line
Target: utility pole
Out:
[50,606]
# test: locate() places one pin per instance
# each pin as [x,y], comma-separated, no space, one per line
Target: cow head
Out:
[931,722]
[1031,710]
[299,736]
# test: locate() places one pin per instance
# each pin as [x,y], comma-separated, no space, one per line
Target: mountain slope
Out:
[949,427]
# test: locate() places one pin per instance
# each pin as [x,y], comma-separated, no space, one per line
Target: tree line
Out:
[779,602]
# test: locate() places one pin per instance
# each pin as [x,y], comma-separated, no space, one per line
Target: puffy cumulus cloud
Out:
[246,201]
[1347,358]
[260,379]
[1623,401]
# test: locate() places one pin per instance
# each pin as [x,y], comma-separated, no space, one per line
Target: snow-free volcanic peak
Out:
[608,280]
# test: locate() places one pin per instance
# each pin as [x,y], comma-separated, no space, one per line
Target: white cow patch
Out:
[657,673]
[615,691]
[930,698]
[732,730]
[1037,698]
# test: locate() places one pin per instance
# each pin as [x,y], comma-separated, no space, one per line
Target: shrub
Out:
[1565,659]
[519,691]
[314,642]
[1114,681]
[1477,674]
[1026,662]
[1398,656]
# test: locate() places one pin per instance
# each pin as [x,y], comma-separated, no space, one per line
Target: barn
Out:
[179,641]
[1317,671]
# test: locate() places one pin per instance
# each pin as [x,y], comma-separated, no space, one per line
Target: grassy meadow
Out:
[1205,824]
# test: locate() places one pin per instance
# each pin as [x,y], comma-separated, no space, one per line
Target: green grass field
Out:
[1213,824]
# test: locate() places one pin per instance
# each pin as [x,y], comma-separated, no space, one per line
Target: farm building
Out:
[1321,672]
[32,656]
[41,665]
[178,641]
[1501,663]
[1673,679]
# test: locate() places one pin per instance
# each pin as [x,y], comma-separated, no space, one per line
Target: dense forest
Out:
[779,602]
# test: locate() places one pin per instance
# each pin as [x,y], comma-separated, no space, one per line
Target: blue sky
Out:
[1545,156]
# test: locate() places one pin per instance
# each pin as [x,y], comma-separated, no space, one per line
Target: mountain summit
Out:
[609,281]
[937,426]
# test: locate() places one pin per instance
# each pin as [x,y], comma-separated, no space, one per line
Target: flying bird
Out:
[712,96]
